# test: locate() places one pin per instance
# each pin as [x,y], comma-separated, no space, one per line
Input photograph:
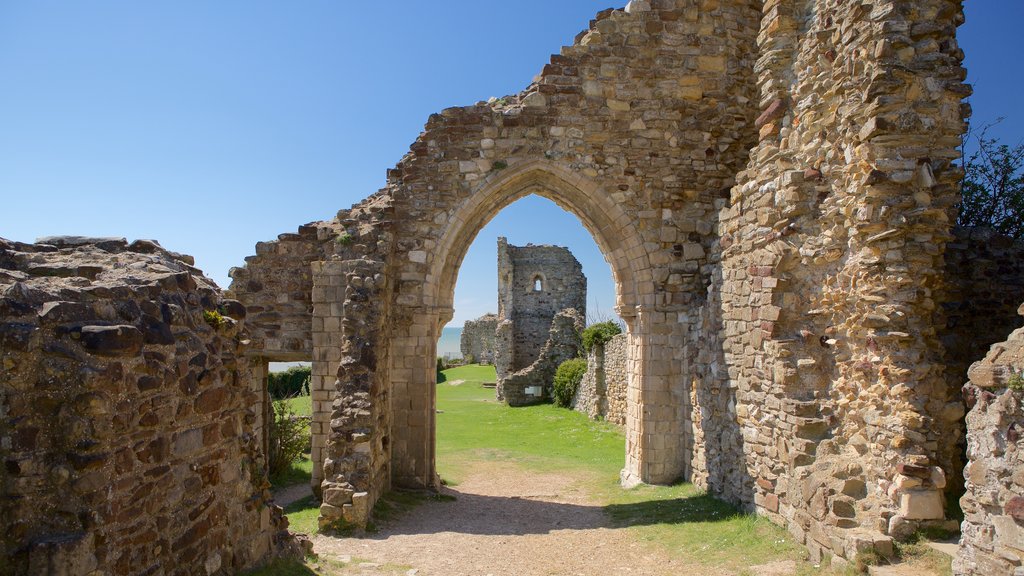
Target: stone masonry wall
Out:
[295,313]
[129,418]
[602,392]
[992,537]
[984,286]
[534,284]
[563,343]
[478,340]
[277,286]
[830,383]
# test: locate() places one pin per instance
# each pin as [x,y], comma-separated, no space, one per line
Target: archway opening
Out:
[530,261]
[653,442]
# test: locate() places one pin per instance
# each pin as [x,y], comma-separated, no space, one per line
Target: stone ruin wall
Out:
[130,427]
[984,286]
[602,392]
[829,384]
[661,139]
[773,186]
[562,343]
[524,313]
[992,533]
[478,339]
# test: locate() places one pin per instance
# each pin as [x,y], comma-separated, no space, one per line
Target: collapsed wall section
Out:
[534,284]
[534,384]
[478,339]
[602,392]
[992,533]
[131,426]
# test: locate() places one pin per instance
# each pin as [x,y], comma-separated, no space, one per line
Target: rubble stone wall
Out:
[478,340]
[129,418]
[830,384]
[984,286]
[992,533]
[602,392]
[534,284]
[534,384]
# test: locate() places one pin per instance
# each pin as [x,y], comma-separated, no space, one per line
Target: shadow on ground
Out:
[515,516]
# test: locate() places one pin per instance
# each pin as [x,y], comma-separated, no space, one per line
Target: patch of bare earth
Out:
[509,521]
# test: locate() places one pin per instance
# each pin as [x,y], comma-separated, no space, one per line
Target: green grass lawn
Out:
[301,405]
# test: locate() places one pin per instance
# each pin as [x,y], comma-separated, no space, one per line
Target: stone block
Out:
[922,505]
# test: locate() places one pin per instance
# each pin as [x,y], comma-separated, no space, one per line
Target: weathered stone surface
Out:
[126,450]
[602,393]
[992,537]
[112,340]
[533,384]
[534,284]
[478,339]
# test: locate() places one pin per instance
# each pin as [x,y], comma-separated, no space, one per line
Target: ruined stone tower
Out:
[534,284]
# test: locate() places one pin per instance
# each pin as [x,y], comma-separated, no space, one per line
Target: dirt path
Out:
[506,521]
[293,493]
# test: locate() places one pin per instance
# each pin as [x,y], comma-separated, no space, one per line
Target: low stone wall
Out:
[992,533]
[563,344]
[478,339]
[130,429]
[602,393]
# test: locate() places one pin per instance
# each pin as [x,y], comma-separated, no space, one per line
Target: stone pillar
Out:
[328,309]
[413,402]
[258,370]
[654,438]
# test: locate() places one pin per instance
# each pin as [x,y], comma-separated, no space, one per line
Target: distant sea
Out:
[450,343]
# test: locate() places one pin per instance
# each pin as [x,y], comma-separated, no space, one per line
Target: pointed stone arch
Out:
[429,308]
[612,228]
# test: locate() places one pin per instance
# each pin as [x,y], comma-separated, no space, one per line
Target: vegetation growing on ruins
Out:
[567,380]
[214,319]
[599,334]
[1016,382]
[992,189]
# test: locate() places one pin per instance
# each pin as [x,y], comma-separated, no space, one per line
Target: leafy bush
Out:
[567,380]
[290,383]
[599,334]
[289,438]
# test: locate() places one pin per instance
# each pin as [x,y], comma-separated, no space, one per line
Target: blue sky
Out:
[211,126]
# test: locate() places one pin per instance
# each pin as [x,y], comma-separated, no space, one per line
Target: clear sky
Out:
[213,125]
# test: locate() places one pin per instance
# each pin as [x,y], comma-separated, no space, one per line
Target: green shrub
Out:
[290,383]
[567,380]
[599,334]
[289,438]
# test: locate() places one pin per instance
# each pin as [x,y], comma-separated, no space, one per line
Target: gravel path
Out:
[293,493]
[507,521]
